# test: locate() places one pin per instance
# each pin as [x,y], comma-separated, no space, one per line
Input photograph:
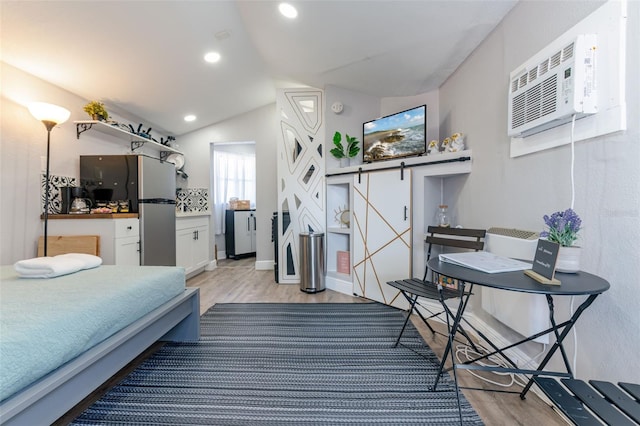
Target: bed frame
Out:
[46,400]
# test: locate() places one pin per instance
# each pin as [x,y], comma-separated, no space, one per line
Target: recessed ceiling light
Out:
[189,117]
[287,10]
[212,57]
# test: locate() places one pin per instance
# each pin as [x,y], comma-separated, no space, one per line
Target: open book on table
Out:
[485,262]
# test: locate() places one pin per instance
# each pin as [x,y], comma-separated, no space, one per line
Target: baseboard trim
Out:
[264,265]
[211,265]
[338,285]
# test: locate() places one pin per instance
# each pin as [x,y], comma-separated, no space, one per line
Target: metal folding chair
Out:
[437,288]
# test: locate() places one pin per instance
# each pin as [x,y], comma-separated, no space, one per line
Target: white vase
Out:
[568,259]
[344,162]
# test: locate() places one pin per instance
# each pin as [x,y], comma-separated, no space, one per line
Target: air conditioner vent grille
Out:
[544,67]
[514,233]
[561,56]
[534,100]
[518,111]
[523,80]
[567,53]
[549,95]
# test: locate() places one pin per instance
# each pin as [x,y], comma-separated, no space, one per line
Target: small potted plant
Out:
[96,111]
[342,152]
[563,229]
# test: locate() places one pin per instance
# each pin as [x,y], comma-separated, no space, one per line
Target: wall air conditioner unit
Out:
[552,86]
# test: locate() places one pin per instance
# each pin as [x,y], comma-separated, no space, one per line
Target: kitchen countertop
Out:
[93,216]
[117,215]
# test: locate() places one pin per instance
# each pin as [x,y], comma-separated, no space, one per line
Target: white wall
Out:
[517,192]
[260,126]
[358,108]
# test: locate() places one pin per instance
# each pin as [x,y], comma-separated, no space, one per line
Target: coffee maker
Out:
[73,200]
[67,194]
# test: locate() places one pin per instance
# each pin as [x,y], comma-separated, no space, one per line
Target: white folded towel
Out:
[50,267]
[88,260]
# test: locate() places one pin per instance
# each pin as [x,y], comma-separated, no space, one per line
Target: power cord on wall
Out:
[573,199]
[573,160]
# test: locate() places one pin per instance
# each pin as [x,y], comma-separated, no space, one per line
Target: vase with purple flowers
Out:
[563,228]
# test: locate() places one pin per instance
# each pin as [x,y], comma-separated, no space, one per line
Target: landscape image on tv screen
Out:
[398,135]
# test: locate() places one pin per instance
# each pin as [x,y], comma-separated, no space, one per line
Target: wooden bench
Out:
[606,402]
[89,244]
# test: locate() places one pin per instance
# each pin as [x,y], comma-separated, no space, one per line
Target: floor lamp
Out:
[50,115]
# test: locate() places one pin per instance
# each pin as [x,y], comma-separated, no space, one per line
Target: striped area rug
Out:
[288,364]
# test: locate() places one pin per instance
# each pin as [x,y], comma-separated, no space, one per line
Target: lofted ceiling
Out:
[146,57]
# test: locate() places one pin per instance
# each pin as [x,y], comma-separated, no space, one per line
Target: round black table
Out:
[580,283]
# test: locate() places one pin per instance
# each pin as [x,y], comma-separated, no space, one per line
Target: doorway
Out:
[233,175]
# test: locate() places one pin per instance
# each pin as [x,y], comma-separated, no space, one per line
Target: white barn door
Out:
[381,234]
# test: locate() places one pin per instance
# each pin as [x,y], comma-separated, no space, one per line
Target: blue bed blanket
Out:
[46,322]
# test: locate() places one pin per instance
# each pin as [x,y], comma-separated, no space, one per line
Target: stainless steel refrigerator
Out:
[149,186]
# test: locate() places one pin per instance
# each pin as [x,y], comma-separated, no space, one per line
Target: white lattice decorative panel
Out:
[300,174]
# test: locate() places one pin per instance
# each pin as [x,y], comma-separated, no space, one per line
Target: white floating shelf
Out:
[136,141]
[338,230]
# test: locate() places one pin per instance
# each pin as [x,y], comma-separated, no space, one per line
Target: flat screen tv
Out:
[403,134]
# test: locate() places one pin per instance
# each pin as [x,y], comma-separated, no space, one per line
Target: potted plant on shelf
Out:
[96,111]
[563,229]
[342,152]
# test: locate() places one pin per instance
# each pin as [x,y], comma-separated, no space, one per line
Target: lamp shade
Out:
[49,112]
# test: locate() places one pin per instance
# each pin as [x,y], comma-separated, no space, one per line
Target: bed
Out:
[61,338]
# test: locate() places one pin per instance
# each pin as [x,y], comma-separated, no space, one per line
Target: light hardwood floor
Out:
[237,281]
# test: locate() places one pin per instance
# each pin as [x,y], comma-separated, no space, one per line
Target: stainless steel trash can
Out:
[312,262]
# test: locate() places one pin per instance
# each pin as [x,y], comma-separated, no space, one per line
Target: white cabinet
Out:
[119,238]
[192,243]
[382,238]
[127,242]
[240,233]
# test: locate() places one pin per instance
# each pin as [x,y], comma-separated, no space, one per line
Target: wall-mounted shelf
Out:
[136,141]
[420,161]
[338,230]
